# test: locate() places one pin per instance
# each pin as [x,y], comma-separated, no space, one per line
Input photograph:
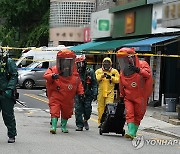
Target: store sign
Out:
[129,23]
[171,14]
[156,76]
[87,37]
[172,10]
[103,25]
[157,21]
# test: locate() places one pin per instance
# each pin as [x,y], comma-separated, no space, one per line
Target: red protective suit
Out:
[136,89]
[61,92]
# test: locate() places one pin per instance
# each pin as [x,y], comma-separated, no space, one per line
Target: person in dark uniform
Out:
[8,80]
[83,108]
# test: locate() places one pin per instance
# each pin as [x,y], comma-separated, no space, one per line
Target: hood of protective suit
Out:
[107,64]
[108,59]
[66,53]
[127,57]
[65,62]
[81,63]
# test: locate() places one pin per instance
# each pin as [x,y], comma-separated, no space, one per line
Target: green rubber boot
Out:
[54,125]
[63,125]
[135,129]
[131,131]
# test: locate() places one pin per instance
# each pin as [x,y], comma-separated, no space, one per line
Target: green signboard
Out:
[103,25]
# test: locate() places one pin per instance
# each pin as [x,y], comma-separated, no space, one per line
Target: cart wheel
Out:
[123,133]
[100,131]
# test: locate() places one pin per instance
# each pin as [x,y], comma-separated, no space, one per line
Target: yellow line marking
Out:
[46,101]
[38,98]
[94,120]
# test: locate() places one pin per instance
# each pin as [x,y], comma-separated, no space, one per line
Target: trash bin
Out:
[170,104]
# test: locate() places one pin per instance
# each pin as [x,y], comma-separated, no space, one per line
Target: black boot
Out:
[11,140]
[79,129]
[86,125]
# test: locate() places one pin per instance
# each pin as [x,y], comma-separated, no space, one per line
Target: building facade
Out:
[148,19]
[105,4]
[70,21]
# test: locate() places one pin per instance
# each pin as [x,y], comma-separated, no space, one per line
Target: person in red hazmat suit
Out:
[135,87]
[63,83]
[106,77]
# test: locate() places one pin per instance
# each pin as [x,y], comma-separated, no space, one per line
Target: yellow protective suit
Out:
[105,87]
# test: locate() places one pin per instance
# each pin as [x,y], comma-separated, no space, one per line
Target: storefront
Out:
[138,24]
[130,21]
[171,19]
[171,13]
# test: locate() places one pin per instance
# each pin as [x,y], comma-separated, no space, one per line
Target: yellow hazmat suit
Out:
[106,86]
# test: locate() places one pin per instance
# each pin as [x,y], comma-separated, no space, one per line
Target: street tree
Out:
[24,22]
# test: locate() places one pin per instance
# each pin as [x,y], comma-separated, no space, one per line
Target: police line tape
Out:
[29,48]
[43,60]
[14,48]
[38,61]
[94,52]
[138,54]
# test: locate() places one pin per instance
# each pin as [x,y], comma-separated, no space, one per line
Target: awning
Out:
[83,47]
[110,45]
[147,44]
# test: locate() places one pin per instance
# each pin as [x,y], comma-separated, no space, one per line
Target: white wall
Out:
[157,20]
[95,33]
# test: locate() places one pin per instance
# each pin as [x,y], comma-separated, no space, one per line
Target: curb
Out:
[167,117]
[162,132]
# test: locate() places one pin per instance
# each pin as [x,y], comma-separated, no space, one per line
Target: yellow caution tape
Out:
[29,48]
[93,52]
[43,60]
[138,54]
[158,55]
[13,48]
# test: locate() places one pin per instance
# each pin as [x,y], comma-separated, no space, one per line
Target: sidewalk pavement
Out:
[156,120]
[150,123]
